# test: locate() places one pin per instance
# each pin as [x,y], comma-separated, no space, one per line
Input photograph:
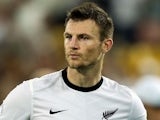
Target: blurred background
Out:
[31,39]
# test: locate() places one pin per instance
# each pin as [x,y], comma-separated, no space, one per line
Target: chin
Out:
[78,66]
[74,66]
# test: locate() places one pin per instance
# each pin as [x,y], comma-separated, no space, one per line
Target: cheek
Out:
[95,49]
[66,46]
[93,52]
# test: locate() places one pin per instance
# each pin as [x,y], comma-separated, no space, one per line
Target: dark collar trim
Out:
[83,89]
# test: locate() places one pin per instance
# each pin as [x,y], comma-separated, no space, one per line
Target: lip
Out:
[74,56]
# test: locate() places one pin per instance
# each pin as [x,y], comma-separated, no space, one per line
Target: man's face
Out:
[83,47]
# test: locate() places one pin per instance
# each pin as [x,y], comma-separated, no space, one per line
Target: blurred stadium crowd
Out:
[31,39]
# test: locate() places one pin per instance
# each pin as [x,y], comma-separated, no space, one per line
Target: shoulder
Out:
[118,88]
[137,110]
[18,100]
[45,81]
[20,92]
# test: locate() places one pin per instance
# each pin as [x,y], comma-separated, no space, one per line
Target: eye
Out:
[83,37]
[67,36]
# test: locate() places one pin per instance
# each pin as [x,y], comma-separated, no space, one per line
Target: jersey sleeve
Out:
[17,105]
[138,111]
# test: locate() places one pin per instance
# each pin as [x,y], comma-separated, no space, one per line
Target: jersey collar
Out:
[82,89]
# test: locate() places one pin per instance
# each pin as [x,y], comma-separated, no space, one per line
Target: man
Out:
[78,92]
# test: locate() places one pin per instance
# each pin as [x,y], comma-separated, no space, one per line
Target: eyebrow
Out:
[66,33]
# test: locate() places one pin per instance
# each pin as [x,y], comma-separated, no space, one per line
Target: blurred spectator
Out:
[148,89]
[148,26]
[148,31]
[142,57]
[126,13]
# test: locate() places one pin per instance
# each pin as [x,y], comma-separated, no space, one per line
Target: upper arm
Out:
[138,111]
[17,104]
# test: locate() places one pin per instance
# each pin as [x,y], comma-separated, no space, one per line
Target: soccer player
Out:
[79,91]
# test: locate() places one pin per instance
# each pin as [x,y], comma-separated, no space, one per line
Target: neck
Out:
[84,77]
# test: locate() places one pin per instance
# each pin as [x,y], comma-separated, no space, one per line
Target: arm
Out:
[17,105]
[138,111]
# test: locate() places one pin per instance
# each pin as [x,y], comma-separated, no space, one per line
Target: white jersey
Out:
[53,97]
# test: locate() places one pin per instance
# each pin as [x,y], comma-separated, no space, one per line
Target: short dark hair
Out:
[90,10]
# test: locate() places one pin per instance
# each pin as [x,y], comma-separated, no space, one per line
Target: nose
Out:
[74,43]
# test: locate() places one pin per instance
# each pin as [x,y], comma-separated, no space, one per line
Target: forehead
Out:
[86,26]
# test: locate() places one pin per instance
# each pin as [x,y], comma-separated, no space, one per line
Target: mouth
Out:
[74,56]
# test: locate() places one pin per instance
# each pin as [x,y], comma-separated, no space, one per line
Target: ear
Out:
[107,44]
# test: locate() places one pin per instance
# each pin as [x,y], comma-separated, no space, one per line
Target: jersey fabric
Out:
[53,97]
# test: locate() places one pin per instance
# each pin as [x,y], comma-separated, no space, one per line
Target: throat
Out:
[83,78]
[79,86]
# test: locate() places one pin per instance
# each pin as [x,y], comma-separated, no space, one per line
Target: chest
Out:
[79,106]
